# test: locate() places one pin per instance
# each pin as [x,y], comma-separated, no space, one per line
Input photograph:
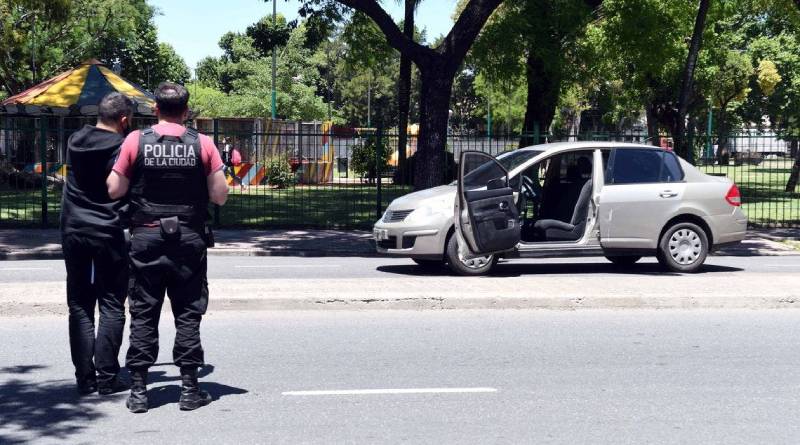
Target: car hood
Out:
[442,196]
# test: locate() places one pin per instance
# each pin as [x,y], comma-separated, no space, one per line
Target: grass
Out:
[762,187]
[20,208]
[329,206]
[354,205]
[307,206]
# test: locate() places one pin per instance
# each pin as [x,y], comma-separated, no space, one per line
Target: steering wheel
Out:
[528,188]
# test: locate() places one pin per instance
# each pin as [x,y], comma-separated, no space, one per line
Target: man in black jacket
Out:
[93,242]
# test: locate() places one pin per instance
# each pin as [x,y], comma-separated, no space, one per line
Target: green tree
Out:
[437,65]
[238,82]
[404,88]
[41,38]
[170,66]
[728,89]
[547,32]
[366,74]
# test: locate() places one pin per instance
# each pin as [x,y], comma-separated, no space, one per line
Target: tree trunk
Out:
[723,154]
[404,94]
[543,90]
[652,125]
[791,184]
[679,136]
[429,165]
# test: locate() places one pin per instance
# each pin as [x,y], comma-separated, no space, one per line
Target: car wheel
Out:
[623,260]
[464,266]
[683,248]
[429,264]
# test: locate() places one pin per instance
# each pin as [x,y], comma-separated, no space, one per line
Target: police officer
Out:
[170,173]
[94,248]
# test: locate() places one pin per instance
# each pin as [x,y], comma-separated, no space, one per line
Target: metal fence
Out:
[329,186]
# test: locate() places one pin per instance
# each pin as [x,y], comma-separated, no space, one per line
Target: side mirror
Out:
[495,184]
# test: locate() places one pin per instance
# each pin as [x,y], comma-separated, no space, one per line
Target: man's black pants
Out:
[177,268]
[97,273]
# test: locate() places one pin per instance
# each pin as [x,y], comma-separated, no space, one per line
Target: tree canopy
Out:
[41,38]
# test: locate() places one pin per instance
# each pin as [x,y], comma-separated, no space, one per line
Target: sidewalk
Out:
[36,244]
[32,244]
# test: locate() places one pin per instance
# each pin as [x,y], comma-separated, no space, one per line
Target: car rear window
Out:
[672,171]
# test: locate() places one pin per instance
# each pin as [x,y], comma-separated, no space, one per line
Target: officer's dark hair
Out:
[113,107]
[172,99]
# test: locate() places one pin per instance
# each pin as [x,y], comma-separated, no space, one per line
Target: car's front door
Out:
[643,190]
[487,218]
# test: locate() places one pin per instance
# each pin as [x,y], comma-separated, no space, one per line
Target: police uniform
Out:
[169,199]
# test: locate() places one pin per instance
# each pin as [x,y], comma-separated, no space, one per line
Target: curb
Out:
[308,253]
[314,253]
[20,309]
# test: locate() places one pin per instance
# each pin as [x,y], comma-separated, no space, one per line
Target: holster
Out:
[170,228]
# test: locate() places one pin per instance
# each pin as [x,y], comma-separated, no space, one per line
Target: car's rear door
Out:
[487,219]
[643,189]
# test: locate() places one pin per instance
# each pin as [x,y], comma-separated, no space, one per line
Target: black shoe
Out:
[192,397]
[137,401]
[112,386]
[86,388]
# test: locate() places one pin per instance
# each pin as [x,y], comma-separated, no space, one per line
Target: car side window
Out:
[606,165]
[632,166]
[672,171]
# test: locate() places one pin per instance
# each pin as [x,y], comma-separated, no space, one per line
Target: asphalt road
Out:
[514,377]
[260,268]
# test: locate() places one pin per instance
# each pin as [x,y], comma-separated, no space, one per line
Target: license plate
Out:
[380,234]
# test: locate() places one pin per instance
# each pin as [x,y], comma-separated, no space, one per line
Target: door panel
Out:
[632,214]
[487,218]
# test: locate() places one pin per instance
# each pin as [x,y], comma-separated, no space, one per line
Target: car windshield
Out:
[513,159]
[509,160]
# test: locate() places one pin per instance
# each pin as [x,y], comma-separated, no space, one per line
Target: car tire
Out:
[473,267]
[683,248]
[429,264]
[623,260]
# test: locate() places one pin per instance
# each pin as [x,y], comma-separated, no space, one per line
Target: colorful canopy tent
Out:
[76,93]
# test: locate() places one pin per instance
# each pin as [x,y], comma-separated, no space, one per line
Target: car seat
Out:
[558,230]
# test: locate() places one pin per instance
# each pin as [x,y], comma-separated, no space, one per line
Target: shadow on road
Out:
[161,376]
[164,395]
[33,410]
[511,269]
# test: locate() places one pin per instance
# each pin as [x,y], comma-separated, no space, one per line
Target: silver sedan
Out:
[618,200]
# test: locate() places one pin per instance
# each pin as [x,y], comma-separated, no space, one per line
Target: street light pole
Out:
[274,61]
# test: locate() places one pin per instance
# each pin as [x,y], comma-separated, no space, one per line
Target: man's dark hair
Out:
[172,99]
[113,107]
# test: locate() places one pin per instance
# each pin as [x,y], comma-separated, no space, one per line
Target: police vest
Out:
[169,179]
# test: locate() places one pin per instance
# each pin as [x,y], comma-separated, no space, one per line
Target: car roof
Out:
[563,146]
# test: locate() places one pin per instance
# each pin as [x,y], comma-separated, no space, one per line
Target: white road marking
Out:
[359,392]
[288,266]
[18,269]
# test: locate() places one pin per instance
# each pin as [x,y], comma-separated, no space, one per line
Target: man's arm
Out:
[217,187]
[117,185]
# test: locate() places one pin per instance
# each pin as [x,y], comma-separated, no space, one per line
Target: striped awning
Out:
[77,92]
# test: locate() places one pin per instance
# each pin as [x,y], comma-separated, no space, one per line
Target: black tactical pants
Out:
[177,268]
[97,274]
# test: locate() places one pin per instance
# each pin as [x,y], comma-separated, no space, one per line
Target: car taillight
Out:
[733,197]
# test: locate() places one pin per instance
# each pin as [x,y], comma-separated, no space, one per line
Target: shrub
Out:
[279,173]
[363,158]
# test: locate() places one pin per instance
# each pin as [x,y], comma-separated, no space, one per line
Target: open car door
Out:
[487,218]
